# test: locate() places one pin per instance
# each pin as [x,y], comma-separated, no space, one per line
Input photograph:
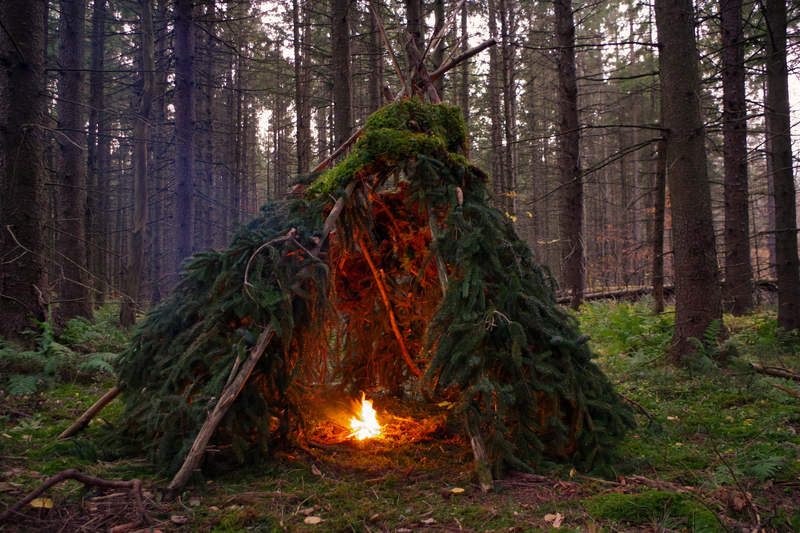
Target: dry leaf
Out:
[213,508]
[315,470]
[443,404]
[7,436]
[429,521]
[557,522]
[456,490]
[179,519]
[42,503]
[313,520]
[375,517]
[738,501]
[5,486]
[307,511]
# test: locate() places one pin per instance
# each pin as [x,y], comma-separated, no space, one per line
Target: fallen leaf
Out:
[194,502]
[179,519]
[429,521]
[213,508]
[456,490]
[315,470]
[313,520]
[403,530]
[549,517]
[572,473]
[557,522]
[375,517]
[5,486]
[42,503]
[7,436]
[307,511]
[443,404]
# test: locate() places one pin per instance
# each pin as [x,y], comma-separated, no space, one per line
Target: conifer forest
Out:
[426,265]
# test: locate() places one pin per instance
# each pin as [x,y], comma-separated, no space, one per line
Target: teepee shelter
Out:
[391,269]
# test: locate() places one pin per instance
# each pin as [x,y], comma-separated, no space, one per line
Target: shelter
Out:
[389,270]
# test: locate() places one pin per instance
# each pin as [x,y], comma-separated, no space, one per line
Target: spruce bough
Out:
[495,341]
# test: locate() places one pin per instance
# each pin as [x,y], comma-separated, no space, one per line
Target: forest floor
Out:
[716,449]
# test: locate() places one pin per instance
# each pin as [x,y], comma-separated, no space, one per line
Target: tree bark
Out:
[74,294]
[133,272]
[779,133]
[184,131]
[340,64]
[494,89]
[659,212]
[302,84]
[569,162]
[738,271]
[509,106]
[22,201]
[95,162]
[697,292]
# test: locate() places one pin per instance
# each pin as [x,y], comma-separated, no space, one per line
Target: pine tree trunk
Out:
[184,131]
[95,225]
[22,199]
[74,294]
[659,212]
[779,133]
[133,272]
[738,271]
[697,291]
[302,85]
[340,65]
[496,116]
[463,100]
[569,162]
[509,106]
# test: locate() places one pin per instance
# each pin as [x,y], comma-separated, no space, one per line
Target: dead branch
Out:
[134,485]
[210,426]
[461,58]
[87,417]
[775,371]
[406,356]
[785,389]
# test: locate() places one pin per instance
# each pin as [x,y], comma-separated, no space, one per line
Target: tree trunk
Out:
[779,133]
[659,212]
[738,271]
[133,272]
[509,106]
[437,56]
[96,216]
[302,84]
[463,100]
[22,201]
[340,64]
[569,162]
[697,292]
[496,116]
[184,130]
[74,294]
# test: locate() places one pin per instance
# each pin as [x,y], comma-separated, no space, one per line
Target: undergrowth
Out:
[717,434]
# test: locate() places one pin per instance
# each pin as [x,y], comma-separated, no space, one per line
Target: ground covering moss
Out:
[655,507]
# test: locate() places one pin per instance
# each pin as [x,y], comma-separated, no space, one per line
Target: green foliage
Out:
[20,385]
[57,358]
[678,510]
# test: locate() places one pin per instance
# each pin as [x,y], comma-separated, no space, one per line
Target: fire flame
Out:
[367,427]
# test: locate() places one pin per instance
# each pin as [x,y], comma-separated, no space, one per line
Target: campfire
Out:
[367,426]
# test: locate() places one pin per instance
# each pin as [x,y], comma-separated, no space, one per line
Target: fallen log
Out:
[775,372]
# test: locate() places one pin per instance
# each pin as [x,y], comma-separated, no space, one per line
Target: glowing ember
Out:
[367,427]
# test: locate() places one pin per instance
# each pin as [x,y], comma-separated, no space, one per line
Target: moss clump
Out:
[401,131]
[654,507]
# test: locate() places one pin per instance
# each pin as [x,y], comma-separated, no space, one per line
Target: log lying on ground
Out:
[775,371]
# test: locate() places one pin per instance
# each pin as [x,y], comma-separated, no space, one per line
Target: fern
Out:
[763,468]
[20,385]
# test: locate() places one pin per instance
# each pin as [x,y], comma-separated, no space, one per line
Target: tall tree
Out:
[97,156]
[74,293]
[184,129]
[22,201]
[302,86]
[779,133]
[340,65]
[697,294]
[738,271]
[569,163]
[140,201]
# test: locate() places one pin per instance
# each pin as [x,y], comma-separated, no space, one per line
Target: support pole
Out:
[90,413]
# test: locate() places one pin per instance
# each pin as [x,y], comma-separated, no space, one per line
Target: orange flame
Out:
[368,426]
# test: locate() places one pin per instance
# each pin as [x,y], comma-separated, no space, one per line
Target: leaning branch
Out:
[86,417]
[776,371]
